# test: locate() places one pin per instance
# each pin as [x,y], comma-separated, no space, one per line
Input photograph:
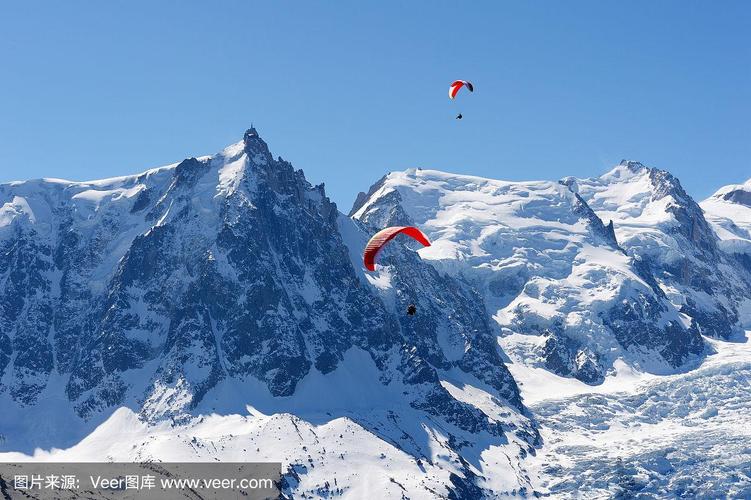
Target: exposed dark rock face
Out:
[160,291]
[564,356]
[639,319]
[678,249]
[25,315]
[740,196]
[151,291]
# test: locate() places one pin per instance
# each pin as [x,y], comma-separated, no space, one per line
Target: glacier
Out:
[573,337]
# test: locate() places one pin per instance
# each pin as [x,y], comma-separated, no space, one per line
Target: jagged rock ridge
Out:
[563,292]
[228,291]
[158,292]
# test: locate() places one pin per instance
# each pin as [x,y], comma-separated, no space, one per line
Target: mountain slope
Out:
[224,284]
[661,226]
[680,436]
[218,309]
[564,295]
[729,212]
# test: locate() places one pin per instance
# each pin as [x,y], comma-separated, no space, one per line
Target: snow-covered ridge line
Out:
[223,298]
[107,181]
[493,233]
[230,285]
[729,212]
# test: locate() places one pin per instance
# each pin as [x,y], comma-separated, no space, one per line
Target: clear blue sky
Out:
[349,91]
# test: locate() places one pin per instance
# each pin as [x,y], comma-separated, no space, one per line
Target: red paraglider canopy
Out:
[457,84]
[384,236]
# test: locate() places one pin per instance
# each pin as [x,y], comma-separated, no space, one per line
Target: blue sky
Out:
[349,91]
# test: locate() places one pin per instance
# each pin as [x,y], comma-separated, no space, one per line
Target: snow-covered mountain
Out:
[662,227]
[562,292]
[217,309]
[729,212]
[229,282]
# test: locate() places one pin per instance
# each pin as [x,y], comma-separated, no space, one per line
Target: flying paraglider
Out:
[458,84]
[382,237]
[454,89]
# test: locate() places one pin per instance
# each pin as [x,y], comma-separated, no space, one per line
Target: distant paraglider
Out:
[382,237]
[454,89]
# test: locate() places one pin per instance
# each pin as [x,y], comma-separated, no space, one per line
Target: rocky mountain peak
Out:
[228,282]
[255,147]
[480,229]
[728,210]
[633,165]
[363,197]
[188,171]
[739,193]
[662,182]
[251,132]
[657,222]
